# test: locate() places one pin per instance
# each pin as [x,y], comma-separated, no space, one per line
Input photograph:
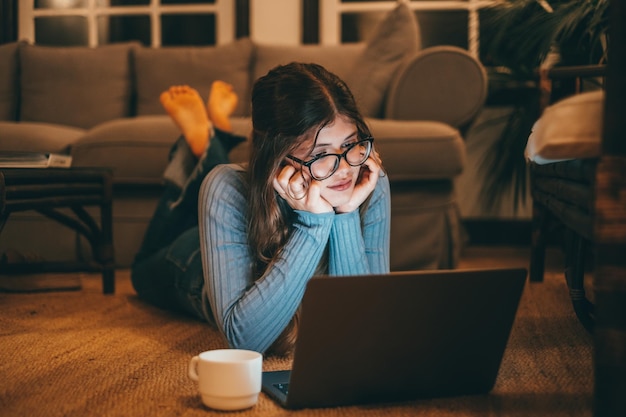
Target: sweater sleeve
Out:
[362,247]
[250,312]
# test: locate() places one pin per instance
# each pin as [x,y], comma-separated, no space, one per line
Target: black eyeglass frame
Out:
[337,161]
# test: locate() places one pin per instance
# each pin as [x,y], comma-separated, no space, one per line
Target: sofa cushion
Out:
[568,129]
[37,137]
[418,150]
[8,81]
[158,69]
[75,86]
[242,126]
[394,40]
[136,149]
[335,58]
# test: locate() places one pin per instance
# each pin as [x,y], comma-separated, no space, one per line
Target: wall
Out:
[275,21]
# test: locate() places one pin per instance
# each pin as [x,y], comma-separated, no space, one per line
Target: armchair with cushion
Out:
[563,152]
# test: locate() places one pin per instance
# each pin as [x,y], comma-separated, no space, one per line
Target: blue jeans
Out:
[167,270]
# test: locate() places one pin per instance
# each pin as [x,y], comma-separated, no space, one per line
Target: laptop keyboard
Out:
[284,388]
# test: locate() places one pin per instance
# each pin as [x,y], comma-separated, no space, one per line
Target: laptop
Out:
[399,337]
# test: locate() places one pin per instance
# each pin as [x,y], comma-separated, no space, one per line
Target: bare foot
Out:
[186,108]
[221,104]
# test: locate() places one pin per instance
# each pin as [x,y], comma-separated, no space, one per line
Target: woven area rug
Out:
[82,353]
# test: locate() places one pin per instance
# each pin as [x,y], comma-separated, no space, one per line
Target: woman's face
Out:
[334,138]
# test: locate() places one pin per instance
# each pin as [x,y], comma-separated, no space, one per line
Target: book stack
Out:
[34,160]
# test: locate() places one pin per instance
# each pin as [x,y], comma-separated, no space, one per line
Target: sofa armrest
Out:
[418,150]
[440,83]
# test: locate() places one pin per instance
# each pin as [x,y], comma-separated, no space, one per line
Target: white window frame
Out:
[224,11]
[331,11]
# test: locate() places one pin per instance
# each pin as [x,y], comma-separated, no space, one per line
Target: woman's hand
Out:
[300,192]
[365,184]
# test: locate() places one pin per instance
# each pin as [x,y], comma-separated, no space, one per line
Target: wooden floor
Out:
[505,256]
[124,357]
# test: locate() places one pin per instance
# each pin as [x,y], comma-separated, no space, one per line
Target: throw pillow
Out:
[75,86]
[159,68]
[395,38]
[335,58]
[568,129]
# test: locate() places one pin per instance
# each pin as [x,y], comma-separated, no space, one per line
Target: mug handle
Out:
[193,368]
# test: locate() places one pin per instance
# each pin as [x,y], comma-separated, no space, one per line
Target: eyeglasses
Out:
[323,166]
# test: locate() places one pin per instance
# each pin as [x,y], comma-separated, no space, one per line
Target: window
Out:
[153,22]
[442,22]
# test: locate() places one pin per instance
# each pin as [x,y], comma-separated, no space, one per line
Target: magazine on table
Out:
[34,160]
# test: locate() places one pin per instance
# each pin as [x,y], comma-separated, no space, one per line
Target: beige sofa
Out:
[101,105]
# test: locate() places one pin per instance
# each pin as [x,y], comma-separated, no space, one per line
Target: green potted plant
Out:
[521,36]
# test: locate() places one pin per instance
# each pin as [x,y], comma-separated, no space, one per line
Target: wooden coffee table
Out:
[46,190]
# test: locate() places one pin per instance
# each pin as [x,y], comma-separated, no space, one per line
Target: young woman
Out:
[312,200]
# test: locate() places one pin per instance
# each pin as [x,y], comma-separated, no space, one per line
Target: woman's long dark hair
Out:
[290,105]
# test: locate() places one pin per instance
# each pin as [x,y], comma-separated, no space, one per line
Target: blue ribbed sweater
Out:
[252,311]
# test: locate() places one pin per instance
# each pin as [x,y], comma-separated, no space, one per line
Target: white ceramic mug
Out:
[228,379]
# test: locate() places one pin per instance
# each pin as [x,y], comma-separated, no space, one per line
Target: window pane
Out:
[447,27]
[357,27]
[113,29]
[377,1]
[115,3]
[486,29]
[60,4]
[187,29]
[61,31]
[443,28]
[187,1]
